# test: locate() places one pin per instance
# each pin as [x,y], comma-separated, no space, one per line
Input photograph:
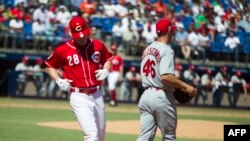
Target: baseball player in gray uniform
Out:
[157,104]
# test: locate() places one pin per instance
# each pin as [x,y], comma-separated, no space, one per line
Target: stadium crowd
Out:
[205,26]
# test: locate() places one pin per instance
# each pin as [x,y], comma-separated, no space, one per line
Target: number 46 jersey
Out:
[157,60]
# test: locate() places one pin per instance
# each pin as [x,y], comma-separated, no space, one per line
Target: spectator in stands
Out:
[244,23]
[16,25]
[204,43]
[130,38]
[160,8]
[3,20]
[220,25]
[23,69]
[121,10]
[41,13]
[117,32]
[232,26]
[148,33]
[132,79]
[52,12]
[50,29]
[16,31]
[63,15]
[237,83]
[38,31]
[88,7]
[221,80]
[233,42]
[23,2]
[180,43]
[193,41]
[109,9]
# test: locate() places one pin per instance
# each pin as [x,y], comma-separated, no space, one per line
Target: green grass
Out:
[19,123]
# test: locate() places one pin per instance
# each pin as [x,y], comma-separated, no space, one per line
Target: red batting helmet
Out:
[209,71]
[39,60]
[223,69]
[191,67]
[25,59]
[78,27]
[132,69]
[238,73]
[178,67]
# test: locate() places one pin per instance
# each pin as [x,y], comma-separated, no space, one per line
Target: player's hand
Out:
[190,90]
[64,84]
[101,74]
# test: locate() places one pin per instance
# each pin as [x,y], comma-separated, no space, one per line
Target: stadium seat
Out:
[107,25]
[28,36]
[96,22]
[187,21]
[114,20]
[28,30]
[246,51]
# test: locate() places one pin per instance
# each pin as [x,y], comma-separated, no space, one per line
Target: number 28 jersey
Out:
[157,60]
[80,64]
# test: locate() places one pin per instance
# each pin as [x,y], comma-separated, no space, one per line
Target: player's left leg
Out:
[100,115]
[83,107]
[166,117]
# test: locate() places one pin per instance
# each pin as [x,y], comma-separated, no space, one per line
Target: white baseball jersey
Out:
[157,59]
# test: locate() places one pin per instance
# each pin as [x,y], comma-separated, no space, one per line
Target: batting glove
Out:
[101,74]
[64,84]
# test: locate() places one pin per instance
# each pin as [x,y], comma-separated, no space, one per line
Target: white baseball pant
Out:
[113,78]
[90,113]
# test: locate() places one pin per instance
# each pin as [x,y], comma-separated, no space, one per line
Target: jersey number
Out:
[73,60]
[148,68]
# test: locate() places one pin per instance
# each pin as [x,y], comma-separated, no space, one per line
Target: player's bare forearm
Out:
[52,73]
[107,65]
[170,79]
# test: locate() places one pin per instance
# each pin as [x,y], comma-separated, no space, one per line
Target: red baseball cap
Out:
[164,26]
[132,69]
[25,59]
[238,73]
[191,67]
[78,27]
[39,60]
[223,68]
[209,71]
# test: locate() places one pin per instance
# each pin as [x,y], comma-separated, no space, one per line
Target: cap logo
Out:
[78,28]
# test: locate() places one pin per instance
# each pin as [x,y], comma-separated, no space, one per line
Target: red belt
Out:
[87,91]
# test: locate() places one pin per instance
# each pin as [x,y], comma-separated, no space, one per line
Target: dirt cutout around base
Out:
[192,129]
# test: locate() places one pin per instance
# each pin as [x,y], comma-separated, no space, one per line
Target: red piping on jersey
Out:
[88,63]
[48,64]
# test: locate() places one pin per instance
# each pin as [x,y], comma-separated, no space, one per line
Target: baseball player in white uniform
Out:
[157,103]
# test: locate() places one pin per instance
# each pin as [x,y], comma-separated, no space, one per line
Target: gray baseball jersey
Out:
[157,104]
[157,59]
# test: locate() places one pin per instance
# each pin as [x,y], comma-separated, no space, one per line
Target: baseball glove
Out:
[181,96]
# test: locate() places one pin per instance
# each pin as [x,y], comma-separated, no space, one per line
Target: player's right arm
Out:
[52,72]
[170,79]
